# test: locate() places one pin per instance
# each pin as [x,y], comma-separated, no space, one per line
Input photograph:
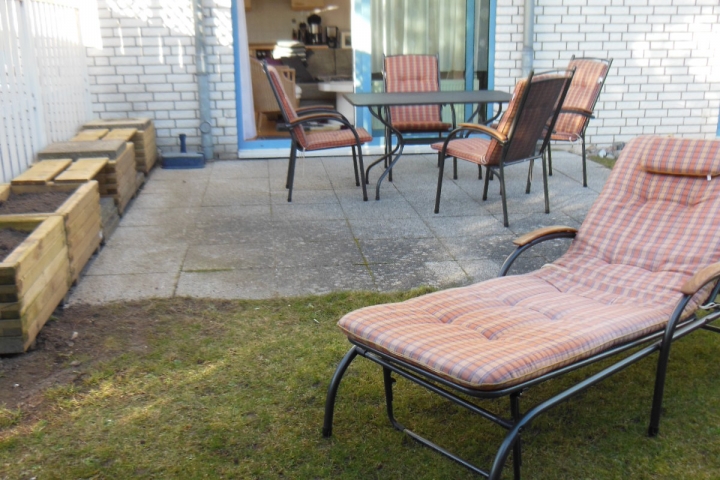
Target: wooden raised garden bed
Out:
[34,278]
[118,179]
[77,204]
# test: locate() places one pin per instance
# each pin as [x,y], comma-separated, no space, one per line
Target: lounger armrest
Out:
[483,129]
[529,240]
[577,111]
[542,232]
[701,278]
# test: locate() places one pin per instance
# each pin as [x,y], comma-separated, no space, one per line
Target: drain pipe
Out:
[528,53]
[203,82]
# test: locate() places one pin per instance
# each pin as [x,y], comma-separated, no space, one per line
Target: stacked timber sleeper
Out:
[143,138]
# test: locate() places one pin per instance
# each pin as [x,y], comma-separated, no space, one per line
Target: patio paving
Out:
[227,231]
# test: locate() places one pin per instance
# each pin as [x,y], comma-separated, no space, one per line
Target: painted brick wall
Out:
[147,68]
[665,77]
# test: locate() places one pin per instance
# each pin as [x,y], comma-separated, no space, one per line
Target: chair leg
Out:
[488,174]
[479,172]
[583,162]
[454,168]
[363,180]
[530,176]
[355,166]
[332,391]
[549,151]
[441,168]
[545,186]
[503,195]
[291,170]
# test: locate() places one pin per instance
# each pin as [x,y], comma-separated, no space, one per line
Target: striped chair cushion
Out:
[583,92]
[286,105]
[334,138]
[620,279]
[486,152]
[414,73]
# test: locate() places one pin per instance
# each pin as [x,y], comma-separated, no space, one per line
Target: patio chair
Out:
[644,260]
[296,119]
[414,73]
[534,106]
[590,75]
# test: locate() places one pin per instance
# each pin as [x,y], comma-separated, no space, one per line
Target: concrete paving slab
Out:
[227,231]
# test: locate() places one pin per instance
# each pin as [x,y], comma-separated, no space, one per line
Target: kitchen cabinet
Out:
[306,4]
[248,5]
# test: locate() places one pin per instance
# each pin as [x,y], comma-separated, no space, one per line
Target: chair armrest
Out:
[577,111]
[701,278]
[542,232]
[483,129]
[312,108]
[336,116]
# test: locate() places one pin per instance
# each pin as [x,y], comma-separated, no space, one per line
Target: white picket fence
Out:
[44,94]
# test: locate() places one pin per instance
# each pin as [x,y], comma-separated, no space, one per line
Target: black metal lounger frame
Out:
[656,342]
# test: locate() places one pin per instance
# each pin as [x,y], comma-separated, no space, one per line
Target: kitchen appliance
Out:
[331,36]
[315,33]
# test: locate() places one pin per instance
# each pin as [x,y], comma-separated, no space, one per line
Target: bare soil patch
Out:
[71,342]
[9,240]
[46,202]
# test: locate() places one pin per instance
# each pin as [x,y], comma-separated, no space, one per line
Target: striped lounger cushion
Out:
[646,235]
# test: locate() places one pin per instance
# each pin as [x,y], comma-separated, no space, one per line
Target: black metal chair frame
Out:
[660,341]
[506,141]
[585,114]
[315,114]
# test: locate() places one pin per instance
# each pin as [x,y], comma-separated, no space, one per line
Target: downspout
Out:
[203,82]
[528,54]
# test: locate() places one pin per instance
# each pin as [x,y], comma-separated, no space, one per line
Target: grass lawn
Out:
[220,389]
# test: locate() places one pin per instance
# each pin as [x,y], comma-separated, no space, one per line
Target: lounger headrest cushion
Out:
[683,157]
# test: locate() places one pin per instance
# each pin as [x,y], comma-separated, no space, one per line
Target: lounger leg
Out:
[291,170]
[389,381]
[549,160]
[583,162]
[333,388]
[517,448]
[357,177]
[441,168]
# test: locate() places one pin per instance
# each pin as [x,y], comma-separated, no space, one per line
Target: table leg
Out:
[395,152]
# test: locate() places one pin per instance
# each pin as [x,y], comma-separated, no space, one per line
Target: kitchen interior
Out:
[309,43]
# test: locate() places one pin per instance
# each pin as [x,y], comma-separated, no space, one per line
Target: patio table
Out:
[378,103]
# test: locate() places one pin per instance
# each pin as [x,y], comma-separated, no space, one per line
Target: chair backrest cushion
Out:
[525,122]
[584,91]
[412,73]
[647,233]
[286,104]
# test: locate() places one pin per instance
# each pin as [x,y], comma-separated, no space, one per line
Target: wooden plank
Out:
[101,148]
[82,170]
[41,172]
[141,123]
[124,134]
[90,135]
[49,187]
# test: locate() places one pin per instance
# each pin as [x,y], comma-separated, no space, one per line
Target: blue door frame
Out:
[361,28]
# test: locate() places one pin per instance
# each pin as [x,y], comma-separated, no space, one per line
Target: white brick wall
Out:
[665,77]
[147,68]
